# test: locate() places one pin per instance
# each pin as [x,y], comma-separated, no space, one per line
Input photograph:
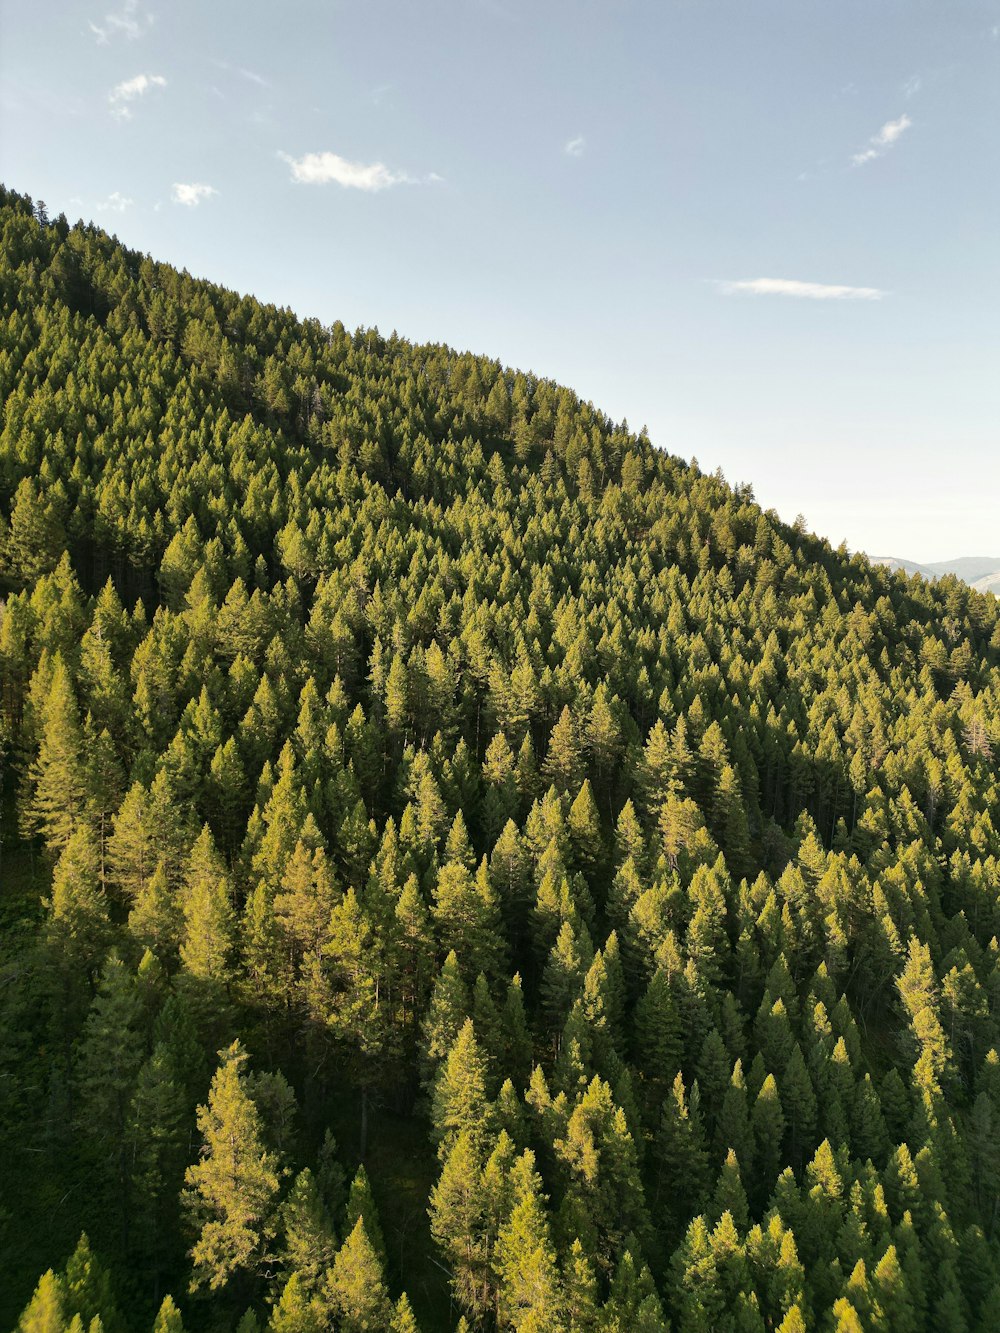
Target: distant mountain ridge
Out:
[981,572]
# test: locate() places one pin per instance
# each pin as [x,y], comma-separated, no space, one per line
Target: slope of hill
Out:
[981,572]
[972,568]
[908,567]
[452,847]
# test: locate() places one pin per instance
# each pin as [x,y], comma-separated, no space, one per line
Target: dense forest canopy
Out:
[463,866]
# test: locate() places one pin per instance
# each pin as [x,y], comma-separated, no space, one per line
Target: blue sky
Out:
[767,229]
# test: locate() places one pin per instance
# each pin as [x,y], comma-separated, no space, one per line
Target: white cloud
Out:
[912,85]
[126,22]
[322,168]
[879,143]
[191,195]
[249,74]
[115,203]
[811,291]
[123,93]
[575,147]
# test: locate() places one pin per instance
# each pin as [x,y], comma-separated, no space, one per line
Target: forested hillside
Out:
[453,848]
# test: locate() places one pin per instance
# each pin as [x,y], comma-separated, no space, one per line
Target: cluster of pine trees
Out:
[451,845]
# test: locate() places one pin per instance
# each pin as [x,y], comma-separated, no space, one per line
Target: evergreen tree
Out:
[231,1192]
[308,1243]
[168,1318]
[355,1286]
[57,785]
[530,1293]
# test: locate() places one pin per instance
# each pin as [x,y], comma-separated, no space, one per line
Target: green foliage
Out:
[626,857]
[231,1192]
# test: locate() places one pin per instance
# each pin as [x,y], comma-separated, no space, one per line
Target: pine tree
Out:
[459,1100]
[458,1224]
[658,1029]
[132,853]
[681,1160]
[768,1124]
[209,925]
[296,1311]
[36,535]
[700,1299]
[168,1318]
[355,1286]
[307,1246]
[57,787]
[448,1009]
[361,1205]
[798,1101]
[156,921]
[79,919]
[88,1289]
[585,830]
[45,1312]
[468,919]
[733,1126]
[403,1319]
[582,1297]
[730,1197]
[110,1054]
[563,764]
[352,1008]
[530,1295]
[231,1192]
[155,1142]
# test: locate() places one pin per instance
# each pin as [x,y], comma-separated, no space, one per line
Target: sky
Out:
[769,230]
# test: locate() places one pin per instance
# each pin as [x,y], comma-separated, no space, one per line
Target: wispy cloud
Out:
[128,22]
[191,195]
[810,291]
[883,141]
[250,75]
[575,147]
[123,93]
[327,168]
[115,203]
[912,85]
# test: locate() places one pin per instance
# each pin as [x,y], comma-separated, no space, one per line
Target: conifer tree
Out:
[530,1292]
[355,1287]
[45,1312]
[296,1311]
[79,923]
[57,787]
[307,1244]
[458,1224]
[154,1142]
[459,1100]
[361,1204]
[110,1054]
[168,1318]
[232,1190]
[403,1319]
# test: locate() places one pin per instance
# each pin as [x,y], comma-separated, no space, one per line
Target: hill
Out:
[908,567]
[981,572]
[972,568]
[454,848]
